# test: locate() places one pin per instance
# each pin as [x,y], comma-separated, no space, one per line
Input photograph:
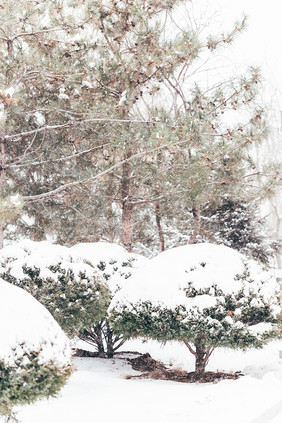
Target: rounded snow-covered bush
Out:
[35,354]
[202,294]
[116,265]
[75,292]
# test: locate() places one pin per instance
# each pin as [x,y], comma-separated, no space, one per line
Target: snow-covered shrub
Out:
[73,291]
[35,354]
[205,295]
[116,265]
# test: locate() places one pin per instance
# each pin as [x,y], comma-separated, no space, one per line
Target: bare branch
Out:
[189,347]
[208,354]
[43,31]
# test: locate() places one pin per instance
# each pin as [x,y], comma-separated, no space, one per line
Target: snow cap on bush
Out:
[115,263]
[167,278]
[42,255]
[35,354]
[27,326]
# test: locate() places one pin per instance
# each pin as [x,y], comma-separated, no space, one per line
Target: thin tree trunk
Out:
[102,337]
[109,341]
[159,226]
[197,225]
[94,336]
[100,342]
[127,208]
[10,48]
[2,181]
[202,354]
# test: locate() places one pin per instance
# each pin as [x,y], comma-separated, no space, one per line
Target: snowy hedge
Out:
[74,291]
[35,354]
[117,266]
[203,294]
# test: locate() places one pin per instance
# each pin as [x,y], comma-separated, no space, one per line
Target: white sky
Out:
[261,43]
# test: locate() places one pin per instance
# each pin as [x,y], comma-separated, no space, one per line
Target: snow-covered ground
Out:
[99,392]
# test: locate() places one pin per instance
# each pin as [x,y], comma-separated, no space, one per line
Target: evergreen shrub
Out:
[35,354]
[204,295]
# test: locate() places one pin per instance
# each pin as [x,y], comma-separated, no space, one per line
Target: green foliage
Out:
[76,301]
[238,225]
[163,324]
[28,380]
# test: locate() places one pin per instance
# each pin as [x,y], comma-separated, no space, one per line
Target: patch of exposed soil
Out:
[156,370]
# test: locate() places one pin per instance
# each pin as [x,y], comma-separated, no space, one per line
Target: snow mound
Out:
[211,270]
[109,260]
[26,326]
[42,255]
[113,260]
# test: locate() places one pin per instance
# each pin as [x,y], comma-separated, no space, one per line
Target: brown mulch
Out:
[156,370]
[77,352]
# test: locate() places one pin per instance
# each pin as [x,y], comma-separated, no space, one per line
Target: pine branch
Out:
[61,159]
[20,135]
[93,178]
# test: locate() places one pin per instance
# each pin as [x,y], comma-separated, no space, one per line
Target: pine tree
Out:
[84,139]
[239,225]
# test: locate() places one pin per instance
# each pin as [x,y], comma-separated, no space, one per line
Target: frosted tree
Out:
[239,225]
[43,141]
[203,295]
[84,139]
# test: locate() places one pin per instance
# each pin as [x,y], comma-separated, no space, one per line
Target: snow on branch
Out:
[59,160]
[19,135]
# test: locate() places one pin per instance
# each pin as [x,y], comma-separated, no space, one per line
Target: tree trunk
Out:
[202,354]
[197,225]
[127,208]
[100,348]
[200,359]
[109,341]
[103,339]
[159,226]
[2,181]
[94,336]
